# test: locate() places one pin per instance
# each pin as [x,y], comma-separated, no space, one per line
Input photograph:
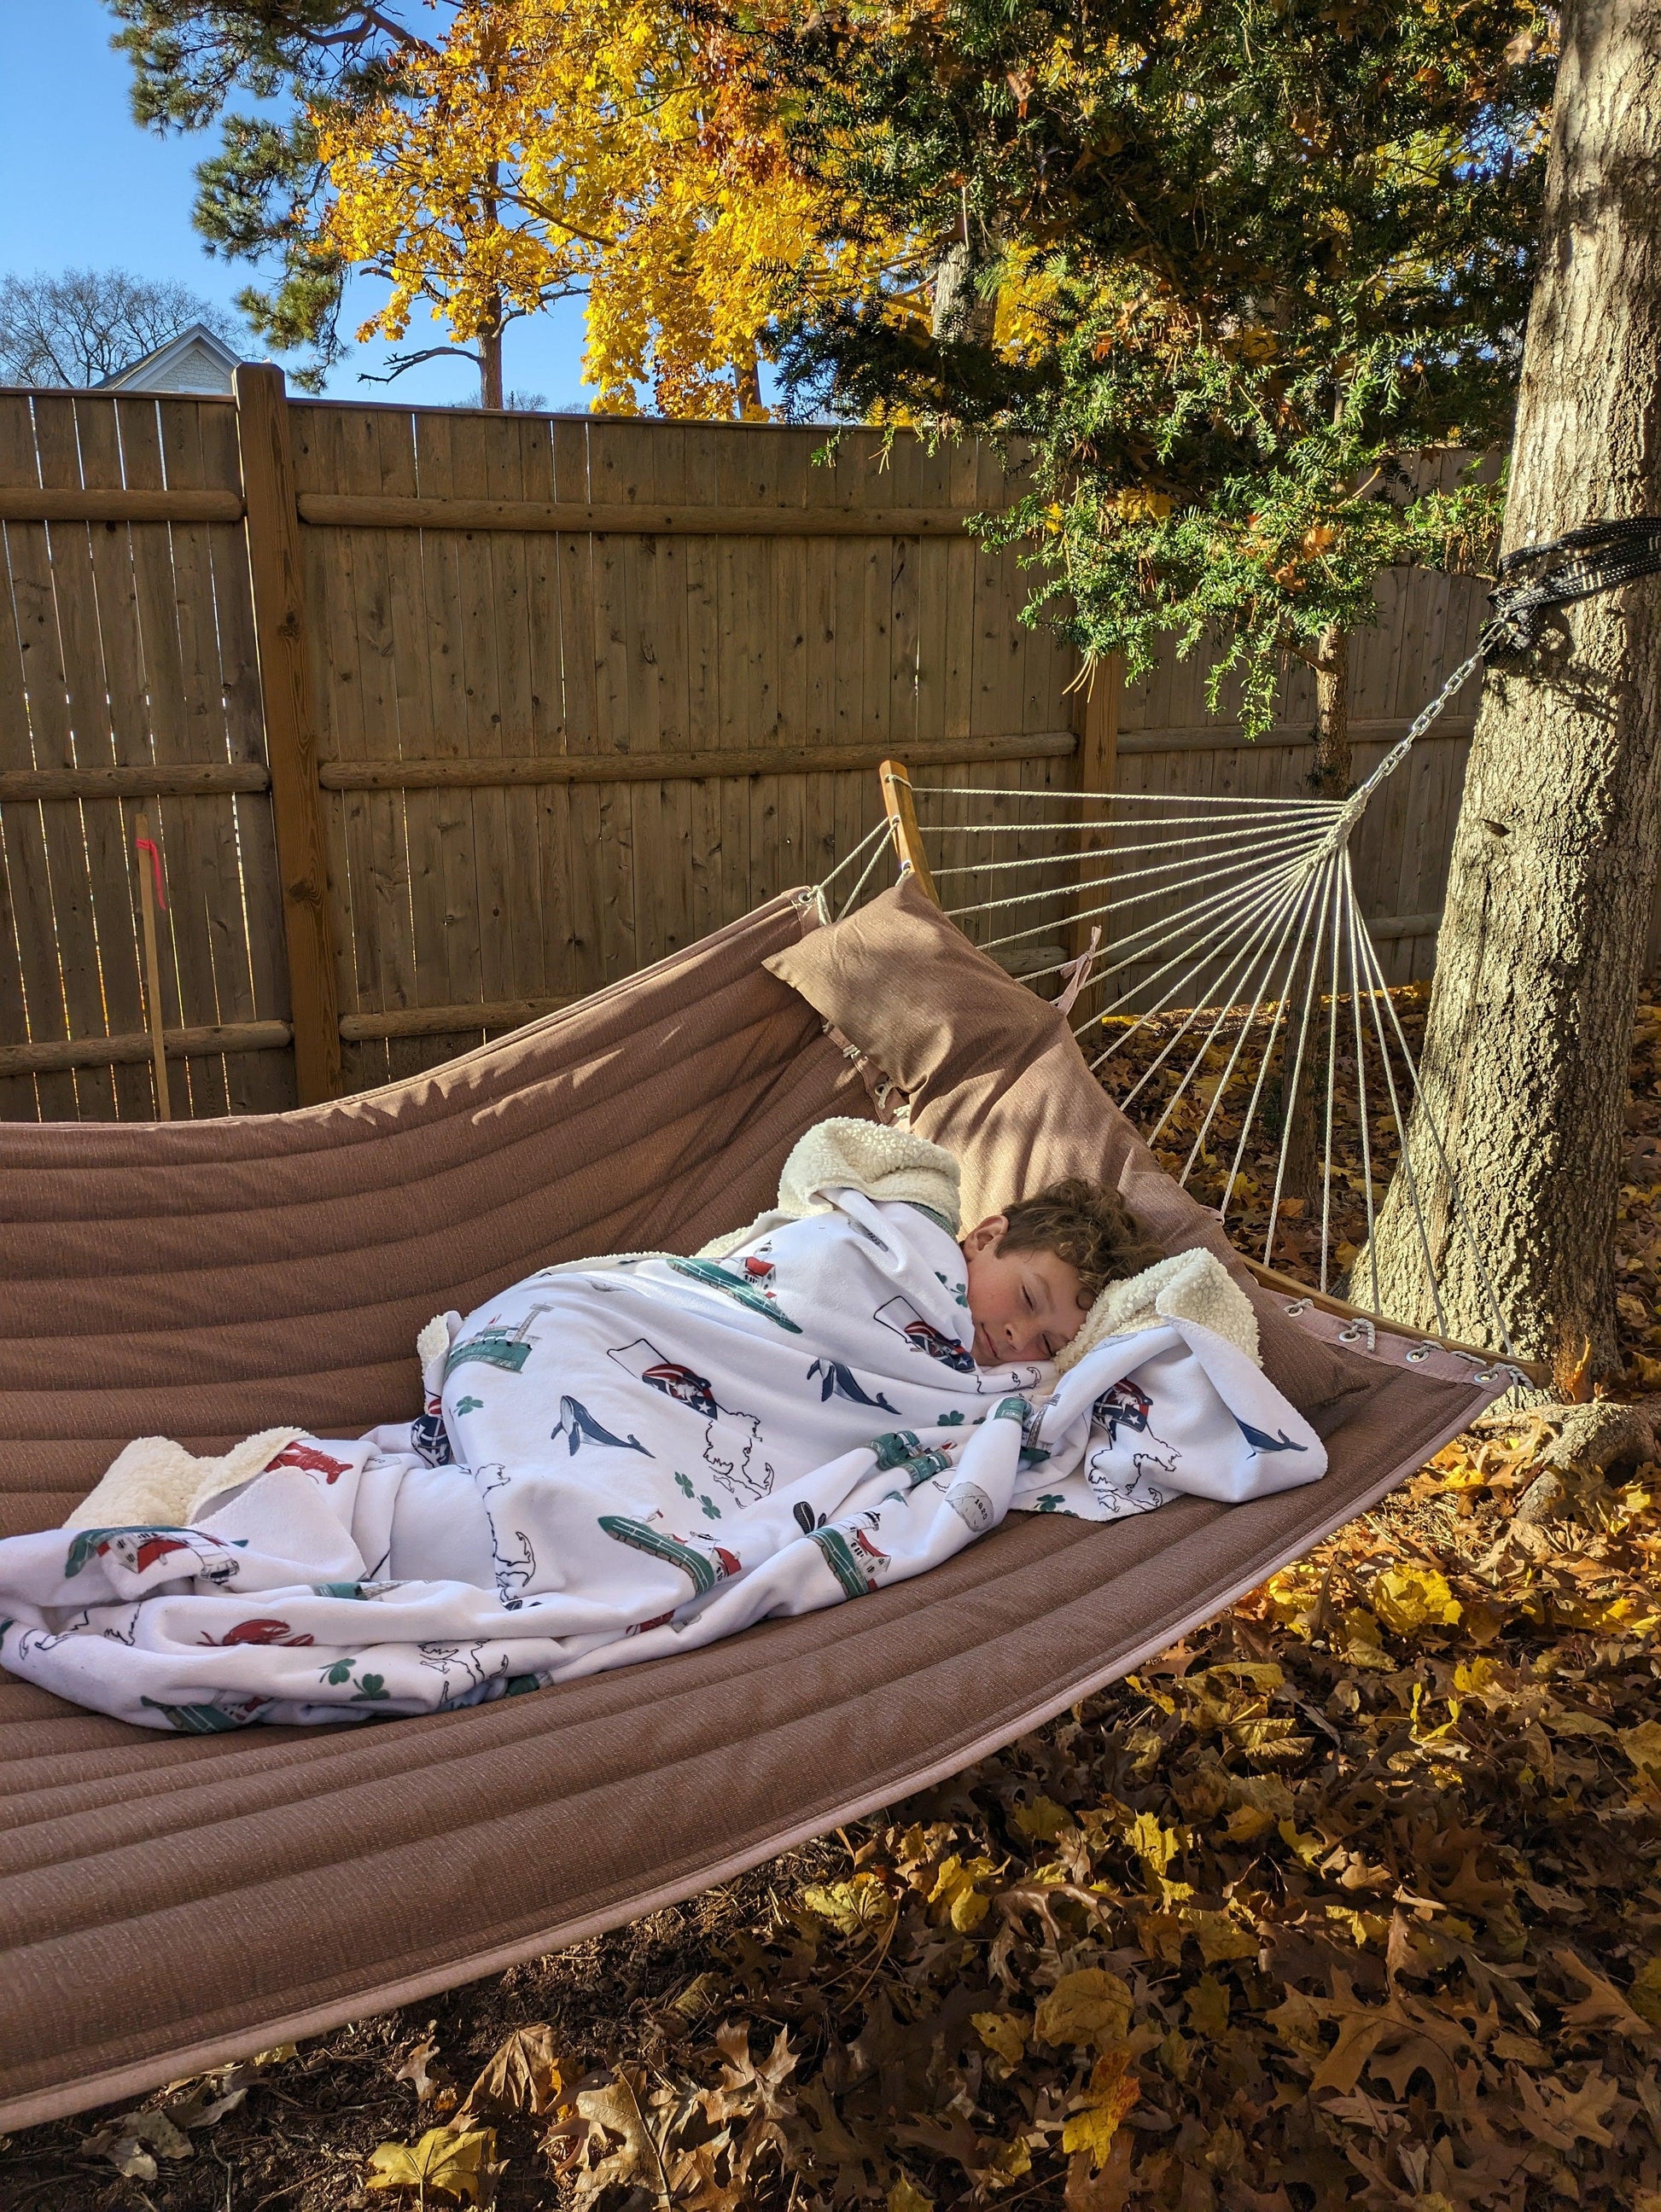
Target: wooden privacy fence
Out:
[443,720]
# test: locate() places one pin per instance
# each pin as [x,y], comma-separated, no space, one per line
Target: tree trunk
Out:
[1524,1062]
[490,368]
[960,315]
[1332,762]
[747,377]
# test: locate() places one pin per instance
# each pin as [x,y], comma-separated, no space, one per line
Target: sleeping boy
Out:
[620,1457]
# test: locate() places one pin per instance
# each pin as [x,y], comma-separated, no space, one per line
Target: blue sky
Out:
[81,185]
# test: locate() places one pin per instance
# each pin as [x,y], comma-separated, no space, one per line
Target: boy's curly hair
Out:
[1086,1225]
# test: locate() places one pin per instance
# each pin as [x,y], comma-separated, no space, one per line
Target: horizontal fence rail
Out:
[441,720]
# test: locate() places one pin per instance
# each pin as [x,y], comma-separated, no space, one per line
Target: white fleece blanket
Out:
[625,1458]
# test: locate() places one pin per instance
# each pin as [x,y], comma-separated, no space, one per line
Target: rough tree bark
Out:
[1332,761]
[1525,1061]
[960,314]
[490,368]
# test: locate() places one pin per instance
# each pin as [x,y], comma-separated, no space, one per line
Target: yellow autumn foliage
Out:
[610,149]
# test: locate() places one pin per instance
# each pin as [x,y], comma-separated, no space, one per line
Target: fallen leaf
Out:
[1092,2006]
[1110,2093]
[456,2164]
[414,2069]
[615,2109]
[1645,1995]
[1406,1598]
[1004,2032]
[523,2074]
[906,2197]
[863,1906]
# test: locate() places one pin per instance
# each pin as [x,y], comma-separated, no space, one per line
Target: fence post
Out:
[1096,720]
[287,702]
[1095,703]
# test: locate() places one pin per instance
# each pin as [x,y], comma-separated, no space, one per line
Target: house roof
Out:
[196,361]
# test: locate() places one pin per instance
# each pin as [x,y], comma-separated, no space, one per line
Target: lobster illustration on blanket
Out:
[739,1477]
[311,1459]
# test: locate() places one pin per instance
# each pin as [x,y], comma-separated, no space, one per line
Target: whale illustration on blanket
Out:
[1260,1442]
[579,1424]
[838,1381]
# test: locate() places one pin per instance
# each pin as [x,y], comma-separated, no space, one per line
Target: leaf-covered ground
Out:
[1353,1899]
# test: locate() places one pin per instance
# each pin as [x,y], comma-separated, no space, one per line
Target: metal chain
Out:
[1398,752]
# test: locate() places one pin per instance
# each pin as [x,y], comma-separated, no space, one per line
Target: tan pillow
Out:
[994,1075]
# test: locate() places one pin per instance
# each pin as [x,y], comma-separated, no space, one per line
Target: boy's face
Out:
[1024,1306]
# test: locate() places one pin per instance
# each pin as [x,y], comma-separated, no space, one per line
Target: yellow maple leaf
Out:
[1642,1744]
[1645,1995]
[1154,1845]
[457,2165]
[1092,2006]
[862,1906]
[1004,2032]
[905,2197]
[1405,1598]
[1044,1818]
[955,1897]
[1112,2090]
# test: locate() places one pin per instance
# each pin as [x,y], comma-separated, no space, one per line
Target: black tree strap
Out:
[1536,578]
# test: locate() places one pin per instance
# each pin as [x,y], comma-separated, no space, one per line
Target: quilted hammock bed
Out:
[170,1903]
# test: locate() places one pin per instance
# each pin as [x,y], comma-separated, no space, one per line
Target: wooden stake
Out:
[276,579]
[148,861]
[902,826]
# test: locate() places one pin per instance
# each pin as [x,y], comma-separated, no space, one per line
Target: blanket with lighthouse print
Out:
[623,1458]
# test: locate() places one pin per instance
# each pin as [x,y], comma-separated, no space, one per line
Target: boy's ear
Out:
[987,1233]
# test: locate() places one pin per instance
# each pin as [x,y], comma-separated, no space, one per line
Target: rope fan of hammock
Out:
[1237,972]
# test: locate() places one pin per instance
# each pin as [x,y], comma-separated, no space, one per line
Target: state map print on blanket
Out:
[625,1457]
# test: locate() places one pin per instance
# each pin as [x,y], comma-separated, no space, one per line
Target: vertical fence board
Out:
[37,556]
[277,581]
